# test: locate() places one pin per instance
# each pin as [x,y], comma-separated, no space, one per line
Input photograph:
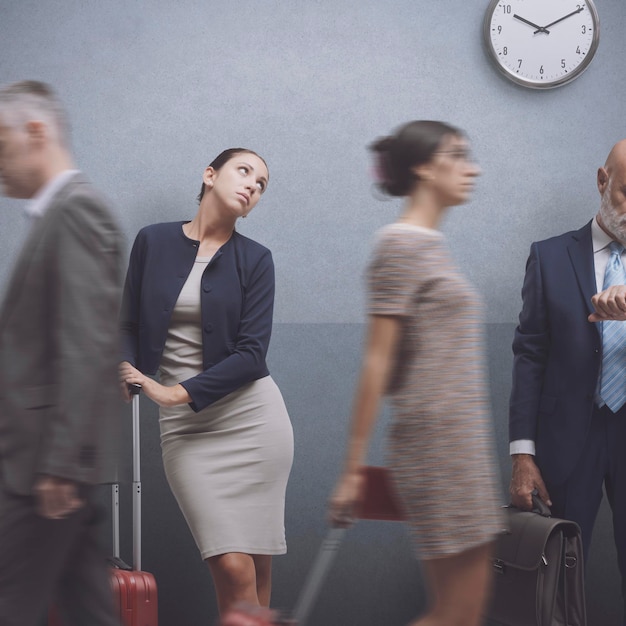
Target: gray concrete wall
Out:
[156,88]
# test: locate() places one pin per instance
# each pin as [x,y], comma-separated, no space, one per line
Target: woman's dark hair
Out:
[224,157]
[411,145]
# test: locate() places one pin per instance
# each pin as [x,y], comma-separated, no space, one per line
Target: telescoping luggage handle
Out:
[379,503]
[134,391]
[317,575]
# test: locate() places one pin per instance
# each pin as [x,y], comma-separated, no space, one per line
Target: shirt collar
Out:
[39,204]
[599,238]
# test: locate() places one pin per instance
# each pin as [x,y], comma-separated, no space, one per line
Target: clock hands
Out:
[543,28]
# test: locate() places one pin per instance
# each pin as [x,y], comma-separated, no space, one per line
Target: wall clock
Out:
[541,43]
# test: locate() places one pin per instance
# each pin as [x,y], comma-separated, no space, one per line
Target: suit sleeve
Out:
[129,316]
[247,360]
[84,305]
[531,346]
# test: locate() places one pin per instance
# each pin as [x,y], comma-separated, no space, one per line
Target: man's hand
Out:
[524,478]
[609,304]
[56,497]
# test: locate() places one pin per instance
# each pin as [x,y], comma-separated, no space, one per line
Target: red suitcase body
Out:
[134,591]
[136,596]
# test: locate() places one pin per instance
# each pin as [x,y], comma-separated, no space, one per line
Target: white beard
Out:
[613,221]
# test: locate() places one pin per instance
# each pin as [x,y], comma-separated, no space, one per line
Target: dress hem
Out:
[228,549]
[454,550]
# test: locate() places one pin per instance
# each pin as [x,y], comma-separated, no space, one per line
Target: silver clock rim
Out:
[493,56]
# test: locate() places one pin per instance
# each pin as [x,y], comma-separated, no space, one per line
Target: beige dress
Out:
[228,464]
[441,450]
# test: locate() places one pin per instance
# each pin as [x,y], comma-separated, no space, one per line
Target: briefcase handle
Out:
[539,506]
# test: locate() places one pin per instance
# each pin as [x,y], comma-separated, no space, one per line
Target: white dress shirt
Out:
[40,202]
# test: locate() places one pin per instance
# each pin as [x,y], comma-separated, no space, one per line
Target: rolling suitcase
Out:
[134,591]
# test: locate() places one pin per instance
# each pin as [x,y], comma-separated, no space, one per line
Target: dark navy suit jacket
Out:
[558,353]
[237,301]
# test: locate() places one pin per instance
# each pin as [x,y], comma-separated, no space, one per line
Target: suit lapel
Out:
[580,251]
[33,238]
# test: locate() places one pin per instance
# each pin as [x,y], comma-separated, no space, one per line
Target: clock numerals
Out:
[541,44]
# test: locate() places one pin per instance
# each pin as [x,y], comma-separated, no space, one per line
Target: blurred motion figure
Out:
[424,349]
[58,391]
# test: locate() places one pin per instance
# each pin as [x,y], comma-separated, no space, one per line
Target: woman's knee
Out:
[234,569]
[460,585]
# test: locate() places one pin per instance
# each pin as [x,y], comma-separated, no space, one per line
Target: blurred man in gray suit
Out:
[58,354]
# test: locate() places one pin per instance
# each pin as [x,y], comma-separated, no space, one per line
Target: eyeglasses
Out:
[459,155]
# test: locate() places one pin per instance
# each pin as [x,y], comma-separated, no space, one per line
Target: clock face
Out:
[541,43]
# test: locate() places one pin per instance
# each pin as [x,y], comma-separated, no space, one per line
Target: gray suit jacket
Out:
[59,399]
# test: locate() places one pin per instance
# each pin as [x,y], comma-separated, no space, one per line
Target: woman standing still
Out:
[198,305]
[424,349]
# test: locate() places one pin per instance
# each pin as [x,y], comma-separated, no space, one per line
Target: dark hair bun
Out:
[397,155]
[390,179]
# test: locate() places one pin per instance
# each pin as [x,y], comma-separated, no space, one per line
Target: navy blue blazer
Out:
[558,353]
[237,302]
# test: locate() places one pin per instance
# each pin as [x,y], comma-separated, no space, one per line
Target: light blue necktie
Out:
[613,385]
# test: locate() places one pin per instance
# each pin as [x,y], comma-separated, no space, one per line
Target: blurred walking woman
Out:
[198,306]
[424,349]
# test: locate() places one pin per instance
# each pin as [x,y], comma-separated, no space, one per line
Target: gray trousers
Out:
[44,561]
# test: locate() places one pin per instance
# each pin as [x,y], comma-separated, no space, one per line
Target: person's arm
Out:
[129,312]
[382,338]
[246,362]
[84,294]
[531,347]
[394,276]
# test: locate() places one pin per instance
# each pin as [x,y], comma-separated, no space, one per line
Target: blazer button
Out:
[208,328]
[206,288]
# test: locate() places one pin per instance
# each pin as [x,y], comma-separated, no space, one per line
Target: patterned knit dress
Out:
[441,451]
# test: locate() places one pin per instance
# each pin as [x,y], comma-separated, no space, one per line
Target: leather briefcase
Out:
[538,571]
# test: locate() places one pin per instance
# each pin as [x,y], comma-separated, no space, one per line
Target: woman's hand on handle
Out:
[346,499]
[161,394]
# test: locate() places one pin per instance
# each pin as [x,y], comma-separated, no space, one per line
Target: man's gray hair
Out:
[31,100]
